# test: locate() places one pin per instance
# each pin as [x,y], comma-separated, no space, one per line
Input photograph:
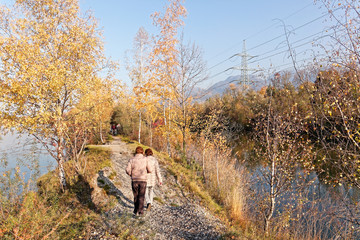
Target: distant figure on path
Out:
[137,169]
[151,177]
[113,129]
[118,128]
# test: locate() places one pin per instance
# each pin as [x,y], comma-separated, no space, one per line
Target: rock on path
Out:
[172,216]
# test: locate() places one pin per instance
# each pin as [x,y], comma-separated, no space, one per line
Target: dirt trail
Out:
[173,214]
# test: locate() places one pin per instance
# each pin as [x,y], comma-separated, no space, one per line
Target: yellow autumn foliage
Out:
[50,57]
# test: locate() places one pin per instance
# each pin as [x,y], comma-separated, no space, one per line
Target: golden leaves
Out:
[50,59]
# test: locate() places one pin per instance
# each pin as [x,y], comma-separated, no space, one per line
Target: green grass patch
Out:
[205,196]
[109,138]
[125,139]
[159,200]
[112,175]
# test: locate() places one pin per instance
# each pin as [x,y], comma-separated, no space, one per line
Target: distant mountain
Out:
[220,87]
[256,83]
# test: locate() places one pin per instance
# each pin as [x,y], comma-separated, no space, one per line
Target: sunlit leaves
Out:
[50,60]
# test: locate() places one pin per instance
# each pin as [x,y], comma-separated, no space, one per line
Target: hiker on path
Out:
[137,169]
[151,177]
[113,129]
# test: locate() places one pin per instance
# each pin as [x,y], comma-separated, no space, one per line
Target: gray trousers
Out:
[149,194]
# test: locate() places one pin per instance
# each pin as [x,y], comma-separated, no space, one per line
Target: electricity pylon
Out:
[244,77]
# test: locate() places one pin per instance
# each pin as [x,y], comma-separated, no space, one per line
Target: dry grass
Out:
[49,214]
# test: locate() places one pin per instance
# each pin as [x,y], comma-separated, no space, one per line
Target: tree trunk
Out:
[203,161]
[101,135]
[184,130]
[151,134]
[217,171]
[60,160]
[271,150]
[272,198]
[139,137]
[183,137]
[166,132]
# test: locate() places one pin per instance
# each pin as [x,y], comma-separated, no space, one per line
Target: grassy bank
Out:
[75,214]
[186,176]
[49,214]
[189,180]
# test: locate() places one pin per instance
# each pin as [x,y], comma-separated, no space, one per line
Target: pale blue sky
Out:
[217,26]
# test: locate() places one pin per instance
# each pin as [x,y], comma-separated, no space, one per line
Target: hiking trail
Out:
[174,213]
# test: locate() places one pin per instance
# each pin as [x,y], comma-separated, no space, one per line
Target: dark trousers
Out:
[138,189]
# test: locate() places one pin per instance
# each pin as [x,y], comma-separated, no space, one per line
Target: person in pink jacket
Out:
[151,177]
[137,169]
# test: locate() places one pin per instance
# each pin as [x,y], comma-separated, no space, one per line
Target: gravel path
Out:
[173,214]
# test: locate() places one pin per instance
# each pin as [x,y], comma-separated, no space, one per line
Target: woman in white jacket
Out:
[151,177]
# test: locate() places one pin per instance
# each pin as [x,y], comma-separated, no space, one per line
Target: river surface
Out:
[331,210]
[24,153]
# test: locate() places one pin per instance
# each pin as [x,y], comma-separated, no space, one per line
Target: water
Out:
[315,208]
[312,181]
[26,154]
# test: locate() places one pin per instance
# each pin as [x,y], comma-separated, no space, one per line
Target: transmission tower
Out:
[244,77]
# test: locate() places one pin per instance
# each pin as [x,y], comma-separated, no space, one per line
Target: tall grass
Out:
[226,180]
[303,212]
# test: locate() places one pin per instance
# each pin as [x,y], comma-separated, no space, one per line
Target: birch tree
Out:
[138,72]
[164,59]
[190,73]
[50,56]
[281,146]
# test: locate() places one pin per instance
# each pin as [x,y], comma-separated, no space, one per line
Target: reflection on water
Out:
[307,206]
[24,153]
[244,152]
[312,207]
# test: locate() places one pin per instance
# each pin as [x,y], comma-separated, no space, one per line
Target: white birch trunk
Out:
[139,137]
[60,160]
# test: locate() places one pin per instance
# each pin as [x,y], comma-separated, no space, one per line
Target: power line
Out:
[300,40]
[274,24]
[302,60]
[261,44]
[217,74]
[292,14]
[278,66]
[287,50]
[295,47]
[299,27]
[219,63]
[305,24]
